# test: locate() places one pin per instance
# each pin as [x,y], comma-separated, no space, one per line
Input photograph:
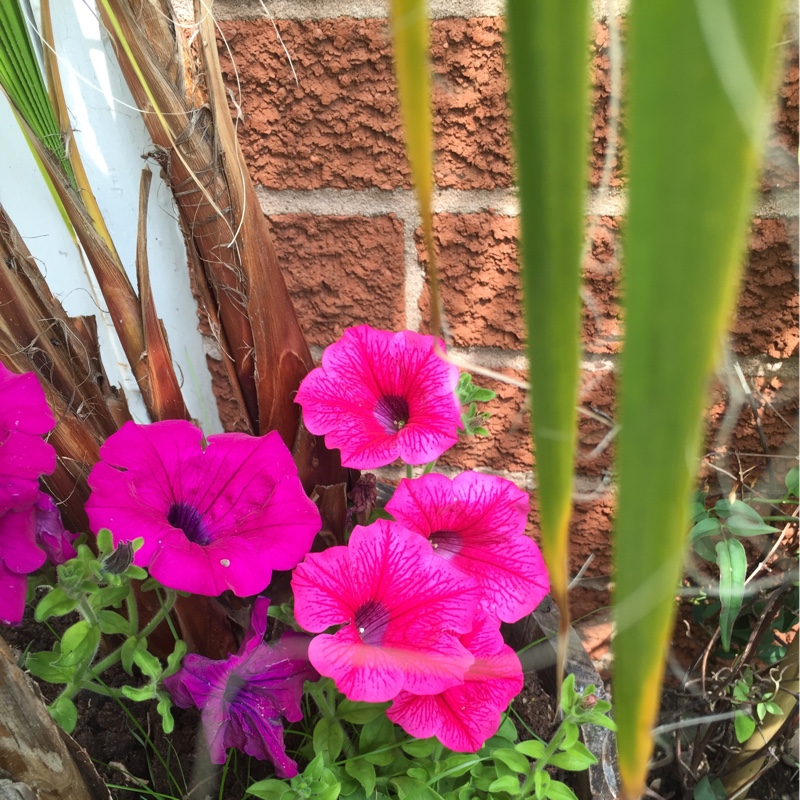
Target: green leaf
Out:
[541,783]
[513,759]
[374,736]
[693,140]
[710,789]
[139,694]
[42,665]
[359,713]
[54,604]
[745,526]
[111,622]
[732,561]
[571,733]
[363,772]
[112,596]
[774,708]
[328,738]
[532,748]
[269,789]
[330,792]
[508,730]
[567,693]
[129,647]
[313,772]
[79,644]
[419,748]
[559,791]
[105,542]
[412,789]
[147,663]
[744,726]
[793,482]
[710,526]
[164,708]
[457,765]
[576,759]
[467,392]
[547,50]
[175,657]
[63,711]
[508,784]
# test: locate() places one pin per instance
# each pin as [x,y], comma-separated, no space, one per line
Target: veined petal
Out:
[379,396]
[477,523]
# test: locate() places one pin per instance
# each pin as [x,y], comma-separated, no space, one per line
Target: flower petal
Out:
[480,521]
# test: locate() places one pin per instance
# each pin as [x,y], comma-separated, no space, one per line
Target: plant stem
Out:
[430,467]
[133,611]
[409,471]
[541,763]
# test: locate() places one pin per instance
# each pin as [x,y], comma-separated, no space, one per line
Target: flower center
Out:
[392,412]
[372,620]
[446,543]
[190,521]
[233,686]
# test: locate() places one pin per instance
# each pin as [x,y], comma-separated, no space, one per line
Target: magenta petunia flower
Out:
[242,698]
[465,716]
[212,518]
[24,456]
[380,396]
[477,523]
[401,608]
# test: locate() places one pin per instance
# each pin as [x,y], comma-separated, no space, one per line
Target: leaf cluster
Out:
[97,587]
[355,752]
[472,420]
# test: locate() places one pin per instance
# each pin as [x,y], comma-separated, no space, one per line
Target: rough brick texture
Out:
[339,127]
[342,271]
[480,283]
[766,320]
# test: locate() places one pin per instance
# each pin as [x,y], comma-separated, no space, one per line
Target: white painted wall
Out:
[113,142]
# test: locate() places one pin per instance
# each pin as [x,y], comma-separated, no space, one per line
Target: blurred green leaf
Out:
[732,562]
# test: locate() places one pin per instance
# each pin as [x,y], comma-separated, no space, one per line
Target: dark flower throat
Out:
[190,521]
[392,412]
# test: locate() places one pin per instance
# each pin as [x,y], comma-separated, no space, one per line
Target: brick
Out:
[342,271]
[338,126]
[508,446]
[780,164]
[598,393]
[480,283]
[766,320]
[479,279]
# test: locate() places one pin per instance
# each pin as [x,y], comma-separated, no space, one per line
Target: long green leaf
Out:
[698,70]
[412,69]
[548,55]
[732,562]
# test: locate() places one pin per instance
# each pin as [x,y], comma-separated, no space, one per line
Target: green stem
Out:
[430,467]
[133,611]
[541,763]
[409,471]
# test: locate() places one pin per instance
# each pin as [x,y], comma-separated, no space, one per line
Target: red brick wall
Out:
[326,153]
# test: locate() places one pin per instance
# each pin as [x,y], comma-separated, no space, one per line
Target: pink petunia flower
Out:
[212,518]
[380,396]
[242,698]
[51,535]
[477,523]
[465,716]
[24,456]
[401,608]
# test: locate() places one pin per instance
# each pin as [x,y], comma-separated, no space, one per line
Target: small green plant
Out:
[716,537]
[470,395]
[747,695]
[94,586]
[354,751]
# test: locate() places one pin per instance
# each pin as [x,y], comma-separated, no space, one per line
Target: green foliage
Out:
[92,586]
[715,537]
[473,421]
[355,752]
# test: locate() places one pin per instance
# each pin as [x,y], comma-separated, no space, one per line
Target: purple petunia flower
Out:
[477,523]
[380,396]
[243,697]
[402,610]
[51,535]
[24,456]
[465,716]
[212,518]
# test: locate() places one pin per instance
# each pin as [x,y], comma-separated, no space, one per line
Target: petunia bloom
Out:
[51,535]
[242,698]
[24,456]
[465,716]
[212,518]
[380,396]
[401,608]
[477,523]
